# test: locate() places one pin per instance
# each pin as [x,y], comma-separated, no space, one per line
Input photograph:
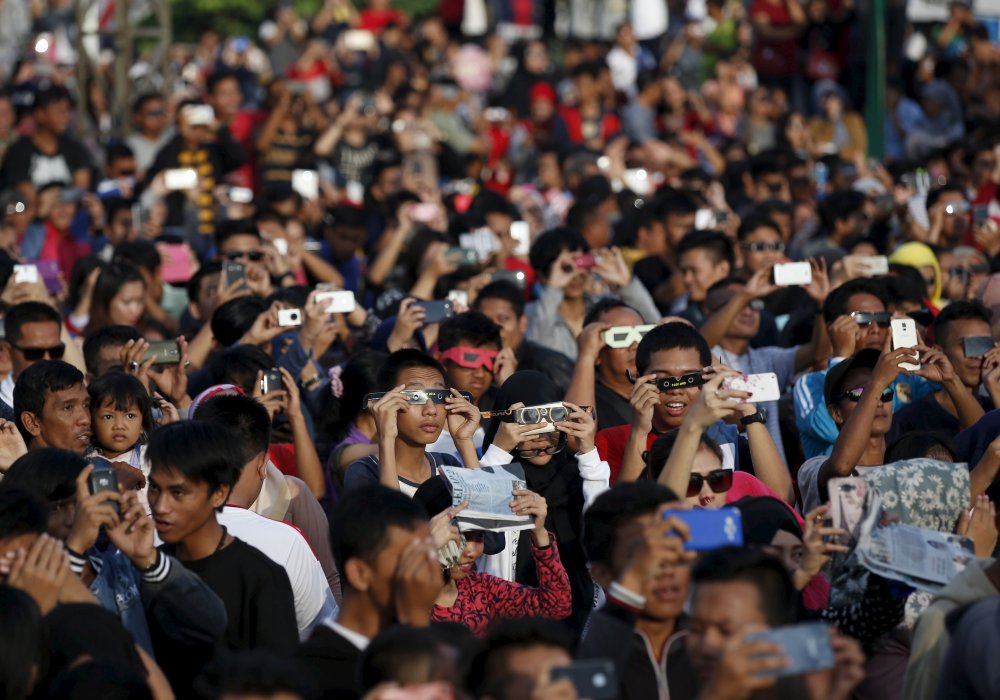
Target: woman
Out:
[119,297]
[837,129]
[477,599]
[920,256]
[567,483]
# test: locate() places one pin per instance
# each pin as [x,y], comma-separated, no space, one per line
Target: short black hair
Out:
[194,284]
[489,670]
[755,223]
[218,76]
[254,672]
[116,150]
[359,524]
[836,303]
[145,98]
[202,452]
[22,512]
[21,314]
[670,201]
[959,311]
[35,384]
[125,392]
[403,655]
[904,284]
[762,571]
[548,246]
[840,205]
[48,472]
[616,507]
[934,195]
[667,337]
[472,327]
[717,245]
[403,360]
[50,94]
[234,318]
[504,291]
[914,444]
[141,253]
[724,283]
[601,306]
[235,227]
[239,366]
[103,337]
[245,416]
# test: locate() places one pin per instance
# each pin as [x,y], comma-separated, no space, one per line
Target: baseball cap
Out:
[833,385]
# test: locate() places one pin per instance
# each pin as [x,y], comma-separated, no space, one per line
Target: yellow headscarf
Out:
[917,254]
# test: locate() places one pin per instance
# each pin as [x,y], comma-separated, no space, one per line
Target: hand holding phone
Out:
[103,478]
[904,335]
[761,387]
[436,311]
[792,274]
[807,647]
[711,529]
[596,679]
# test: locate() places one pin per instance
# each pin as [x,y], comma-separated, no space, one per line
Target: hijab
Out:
[916,254]
[763,517]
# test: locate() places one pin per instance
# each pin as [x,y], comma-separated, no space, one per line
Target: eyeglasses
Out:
[624,336]
[761,247]
[419,397]
[865,318]
[470,358]
[856,393]
[719,480]
[555,448]
[252,255]
[35,354]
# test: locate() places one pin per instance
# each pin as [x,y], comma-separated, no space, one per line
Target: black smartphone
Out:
[464,257]
[980,213]
[234,272]
[977,345]
[271,382]
[168,352]
[592,678]
[437,311]
[103,478]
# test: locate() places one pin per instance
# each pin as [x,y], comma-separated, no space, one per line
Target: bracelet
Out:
[624,598]
[77,562]
[158,570]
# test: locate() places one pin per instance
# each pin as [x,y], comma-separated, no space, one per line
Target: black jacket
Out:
[331,664]
[551,363]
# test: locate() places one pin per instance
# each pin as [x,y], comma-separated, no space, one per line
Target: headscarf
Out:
[949,123]
[916,254]
[763,517]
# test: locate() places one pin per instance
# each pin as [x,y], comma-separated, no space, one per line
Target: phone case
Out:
[437,311]
[792,274]
[763,387]
[807,647]
[167,352]
[271,381]
[904,335]
[341,302]
[711,529]
[593,678]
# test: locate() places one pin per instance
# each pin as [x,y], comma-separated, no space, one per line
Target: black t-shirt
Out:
[331,664]
[926,415]
[257,595]
[652,272]
[612,409]
[24,162]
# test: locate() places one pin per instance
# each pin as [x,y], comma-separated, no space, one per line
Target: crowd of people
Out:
[247,335]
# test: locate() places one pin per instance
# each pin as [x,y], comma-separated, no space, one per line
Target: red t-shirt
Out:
[376,20]
[774,58]
[283,456]
[62,248]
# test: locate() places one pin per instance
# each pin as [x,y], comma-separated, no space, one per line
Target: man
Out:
[49,155]
[518,660]
[646,576]
[281,542]
[503,303]
[203,297]
[469,347]
[408,425]
[381,542]
[193,468]
[761,243]
[673,213]
[52,408]
[844,219]
[33,332]
[856,319]
[152,130]
[956,405]
[102,349]
[741,591]
[704,258]
[948,215]
[639,117]
[343,238]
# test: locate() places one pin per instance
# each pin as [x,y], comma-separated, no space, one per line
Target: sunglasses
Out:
[856,393]
[252,255]
[719,480]
[964,272]
[625,336]
[419,397]
[864,318]
[470,358]
[761,247]
[35,354]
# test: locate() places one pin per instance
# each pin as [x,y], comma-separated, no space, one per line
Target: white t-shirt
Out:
[285,545]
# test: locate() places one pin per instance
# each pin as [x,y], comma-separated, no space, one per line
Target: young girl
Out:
[121,418]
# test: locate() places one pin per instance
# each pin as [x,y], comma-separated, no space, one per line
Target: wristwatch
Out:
[759,417]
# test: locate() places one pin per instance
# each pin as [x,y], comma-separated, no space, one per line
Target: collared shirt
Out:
[358,640]
[7,390]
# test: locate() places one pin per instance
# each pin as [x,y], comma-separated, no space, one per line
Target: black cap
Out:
[865,359]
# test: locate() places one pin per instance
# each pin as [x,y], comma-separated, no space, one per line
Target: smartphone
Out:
[436,311]
[289,317]
[977,345]
[763,387]
[271,381]
[807,647]
[515,276]
[585,261]
[711,529]
[495,114]
[521,233]
[280,245]
[980,213]
[103,478]
[167,352]
[869,265]
[459,297]
[465,257]
[904,335]
[177,262]
[25,274]
[48,270]
[234,272]
[355,192]
[340,302]
[792,274]
[180,179]
[424,212]
[306,183]
[884,203]
[240,195]
[199,115]
[704,219]
[359,40]
[592,678]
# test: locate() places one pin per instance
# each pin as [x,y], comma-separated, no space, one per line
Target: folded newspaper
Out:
[919,557]
[489,491]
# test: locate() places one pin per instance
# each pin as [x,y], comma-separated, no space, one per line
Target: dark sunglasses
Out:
[760,247]
[856,393]
[719,480]
[253,255]
[35,354]
[864,318]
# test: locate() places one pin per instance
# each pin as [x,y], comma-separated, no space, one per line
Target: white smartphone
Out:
[240,195]
[280,245]
[25,274]
[342,302]
[459,296]
[792,274]
[180,179]
[872,265]
[306,183]
[521,233]
[704,219]
[762,387]
[904,335]
[359,40]
[289,317]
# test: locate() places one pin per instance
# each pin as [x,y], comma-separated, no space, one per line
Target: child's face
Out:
[116,431]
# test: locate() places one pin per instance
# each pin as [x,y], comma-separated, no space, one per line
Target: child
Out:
[121,417]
